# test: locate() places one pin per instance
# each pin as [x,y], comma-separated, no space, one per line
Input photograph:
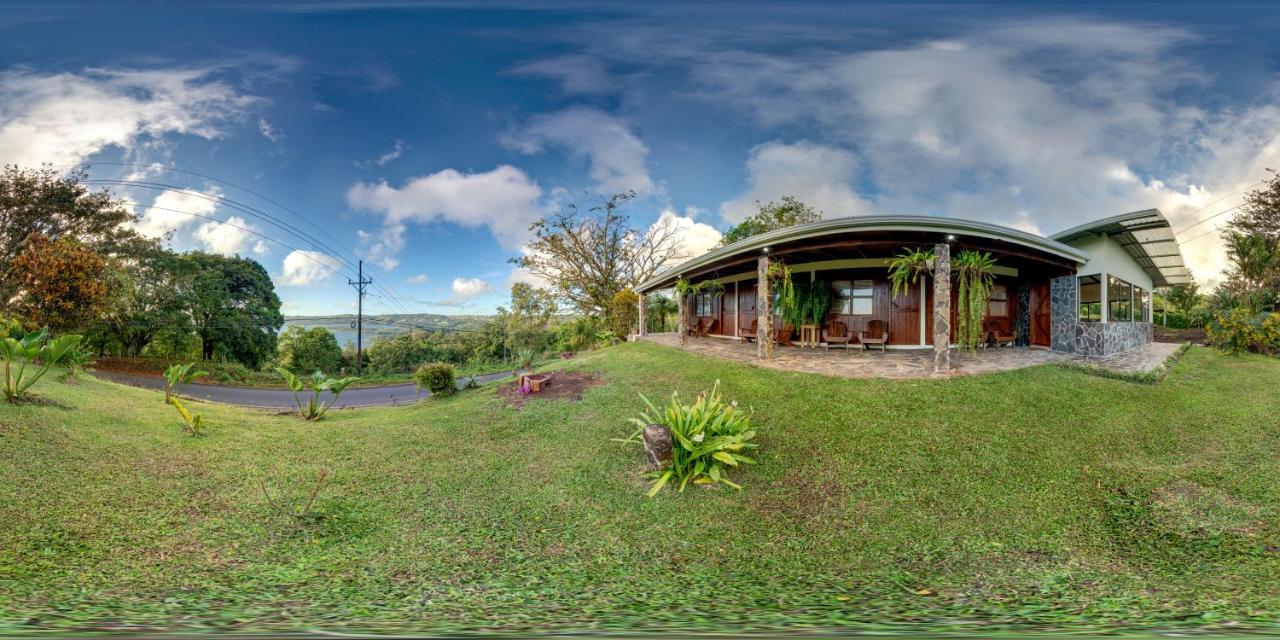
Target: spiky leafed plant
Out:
[975,271]
[908,267]
[33,349]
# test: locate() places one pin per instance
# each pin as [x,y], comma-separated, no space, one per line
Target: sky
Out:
[425,137]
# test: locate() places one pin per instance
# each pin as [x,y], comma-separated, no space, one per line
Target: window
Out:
[1119,300]
[702,304]
[854,297]
[999,304]
[1090,298]
[1141,302]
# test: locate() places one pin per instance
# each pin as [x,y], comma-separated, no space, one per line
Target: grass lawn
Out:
[1037,497]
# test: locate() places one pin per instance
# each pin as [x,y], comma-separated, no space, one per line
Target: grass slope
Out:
[1043,496]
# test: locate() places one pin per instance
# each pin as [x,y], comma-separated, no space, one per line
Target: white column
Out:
[924,280]
[1106,303]
[644,316]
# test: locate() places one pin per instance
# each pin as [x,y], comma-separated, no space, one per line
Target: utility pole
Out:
[360,283]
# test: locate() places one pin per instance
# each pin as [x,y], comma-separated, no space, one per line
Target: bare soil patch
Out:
[562,385]
[1194,336]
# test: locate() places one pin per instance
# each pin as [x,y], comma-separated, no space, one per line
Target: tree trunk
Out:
[764,310]
[941,308]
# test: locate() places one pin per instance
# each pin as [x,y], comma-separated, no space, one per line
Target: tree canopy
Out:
[772,215]
[62,284]
[233,306]
[303,351]
[1253,246]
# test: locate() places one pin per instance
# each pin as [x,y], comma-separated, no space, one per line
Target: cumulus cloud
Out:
[171,211]
[63,118]
[696,238]
[504,200]
[227,238]
[304,268]
[421,278]
[469,287]
[615,156]
[818,175]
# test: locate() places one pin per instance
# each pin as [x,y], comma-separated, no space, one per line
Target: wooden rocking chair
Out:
[876,334]
[749,334]
[783,336]
[705,329]
[837,333]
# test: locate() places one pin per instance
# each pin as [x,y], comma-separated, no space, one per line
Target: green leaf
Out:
[657,486]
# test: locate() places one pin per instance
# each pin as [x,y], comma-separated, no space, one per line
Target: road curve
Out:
[259,398]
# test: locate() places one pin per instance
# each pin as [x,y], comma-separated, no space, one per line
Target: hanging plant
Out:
[780,281]
[908,267]
[975,271]
[819,302]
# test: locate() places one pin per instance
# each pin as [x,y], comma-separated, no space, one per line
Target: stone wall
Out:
[1022,323]
[1094,339]
[1062,314]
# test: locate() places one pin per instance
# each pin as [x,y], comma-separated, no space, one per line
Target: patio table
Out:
[809,335]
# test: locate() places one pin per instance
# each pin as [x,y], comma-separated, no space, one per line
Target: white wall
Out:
[1107,256]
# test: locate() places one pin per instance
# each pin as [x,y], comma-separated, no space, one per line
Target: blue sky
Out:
[424,137]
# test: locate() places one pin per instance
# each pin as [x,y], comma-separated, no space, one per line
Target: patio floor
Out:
[904,363]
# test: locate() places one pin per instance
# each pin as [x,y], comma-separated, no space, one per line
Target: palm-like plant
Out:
[908,267]
[178,374]
[78,359]
[318,383]
[1255,258]
[975,271]
[19,353]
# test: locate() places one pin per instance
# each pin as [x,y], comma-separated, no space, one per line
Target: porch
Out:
[906,363]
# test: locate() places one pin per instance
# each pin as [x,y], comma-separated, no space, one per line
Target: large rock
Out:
[657,446]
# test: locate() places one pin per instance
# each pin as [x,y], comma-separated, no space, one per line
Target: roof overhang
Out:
[1148,239]
[859,224]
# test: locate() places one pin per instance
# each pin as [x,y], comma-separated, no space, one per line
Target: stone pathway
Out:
[906,363]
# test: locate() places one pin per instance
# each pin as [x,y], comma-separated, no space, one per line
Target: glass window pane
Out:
[1119,299]
[1090,298]
[861,306]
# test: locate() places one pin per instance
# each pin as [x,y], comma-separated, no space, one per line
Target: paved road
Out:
[283,398]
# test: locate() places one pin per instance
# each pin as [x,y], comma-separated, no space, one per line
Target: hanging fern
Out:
[780,280]
[975,272]
[907,267]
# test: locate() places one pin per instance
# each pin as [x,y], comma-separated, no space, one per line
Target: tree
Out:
[304,351]
[1255,262]
[1184,297]
[44,202]
[61,284]
[774,215]
[588,257]
[660,309]
[147,302]
[526,322]
[1260,213]
[233,306]
[624,312]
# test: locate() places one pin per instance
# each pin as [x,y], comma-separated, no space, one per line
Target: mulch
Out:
[563,385]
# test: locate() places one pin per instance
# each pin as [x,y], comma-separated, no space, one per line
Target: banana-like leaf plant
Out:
[318,383]
[194,423]
[35,350]
[178,374]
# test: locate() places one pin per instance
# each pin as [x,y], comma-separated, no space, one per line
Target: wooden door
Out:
[1041,314]
[746,306]
[904,316]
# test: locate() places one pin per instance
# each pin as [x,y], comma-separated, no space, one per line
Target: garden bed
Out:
[558,385]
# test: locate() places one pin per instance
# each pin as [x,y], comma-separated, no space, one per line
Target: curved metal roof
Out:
[857,224]
[1147,237]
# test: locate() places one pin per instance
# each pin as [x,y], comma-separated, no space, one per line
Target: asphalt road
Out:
[283,398]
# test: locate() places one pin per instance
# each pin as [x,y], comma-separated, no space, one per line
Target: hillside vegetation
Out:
[1042,497]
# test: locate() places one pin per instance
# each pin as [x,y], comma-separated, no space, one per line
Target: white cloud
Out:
[578,74]
[268,131]
[171,210]
[818,175]
[64,118]
[504,200]
[228,239]
[615,156]
[469,287]
[421,278]
[395,152]
[696,238]
[305,268]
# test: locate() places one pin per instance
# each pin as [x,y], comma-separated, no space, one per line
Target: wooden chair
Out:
[709,327]
[783,336]
[877,333]
[749,334]
[997,336]
[837,333]
[696,328]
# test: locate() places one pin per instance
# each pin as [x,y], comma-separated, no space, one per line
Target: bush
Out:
[579,334]
[1238,330]
[403,353]
[624,312]
[307,350]
[707,439]
[437,377]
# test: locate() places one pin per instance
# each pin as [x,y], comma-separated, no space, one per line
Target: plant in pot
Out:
[524,362]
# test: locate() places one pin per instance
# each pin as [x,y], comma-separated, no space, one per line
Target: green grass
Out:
[1042,497]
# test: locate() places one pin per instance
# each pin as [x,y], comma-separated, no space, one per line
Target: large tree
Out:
[772,215]
[60,284]
[233,306]
[148,301]
[526,322]
[1260,213]
[589,256]
[1253,246]
[55,205]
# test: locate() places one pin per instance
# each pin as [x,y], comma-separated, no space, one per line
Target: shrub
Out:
[19,353]
[624,312]
[707,439]
[404,353]
[315,408]
[437,377]
[312,349]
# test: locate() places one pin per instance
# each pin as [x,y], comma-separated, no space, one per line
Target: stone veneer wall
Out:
[1022,323]
[1088,339]
[1062,314]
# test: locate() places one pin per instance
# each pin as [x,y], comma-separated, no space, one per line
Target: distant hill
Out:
[386,325]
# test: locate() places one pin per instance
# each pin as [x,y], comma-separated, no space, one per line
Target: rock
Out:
[657,446]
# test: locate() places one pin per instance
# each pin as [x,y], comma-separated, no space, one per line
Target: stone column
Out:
[764,310]
[941,308]
[681,322]
[644,316]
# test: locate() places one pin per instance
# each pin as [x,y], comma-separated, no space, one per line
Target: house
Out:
[1086,290]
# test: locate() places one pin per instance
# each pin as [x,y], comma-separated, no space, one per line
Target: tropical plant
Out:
[318,383]
[193,424]
[32,347]
[525,358]
[707,437]
[906,268]
[779,276]
[177,374]
[437,377]
[975,271]
[812,301]
[76,360]
[1238,330]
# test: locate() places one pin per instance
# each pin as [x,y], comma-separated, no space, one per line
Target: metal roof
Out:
[1147,237]
[933,224]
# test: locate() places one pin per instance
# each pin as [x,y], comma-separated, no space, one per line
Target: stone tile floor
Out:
[904,363]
